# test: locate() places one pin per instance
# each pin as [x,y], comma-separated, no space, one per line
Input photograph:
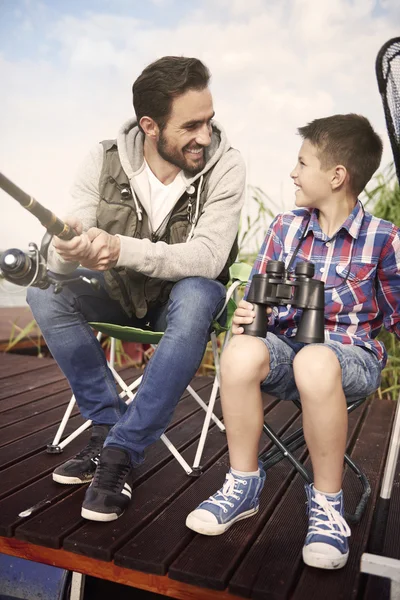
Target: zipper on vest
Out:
[190,211]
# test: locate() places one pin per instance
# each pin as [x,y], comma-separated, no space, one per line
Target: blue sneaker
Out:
[326,545]
[237,499]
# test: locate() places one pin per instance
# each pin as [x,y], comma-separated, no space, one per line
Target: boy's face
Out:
[313,185]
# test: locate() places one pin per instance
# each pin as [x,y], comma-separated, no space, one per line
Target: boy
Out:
[358,258]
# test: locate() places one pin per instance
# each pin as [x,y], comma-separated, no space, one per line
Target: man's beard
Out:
[177,158]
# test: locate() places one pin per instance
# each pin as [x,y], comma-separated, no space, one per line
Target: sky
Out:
[67,68]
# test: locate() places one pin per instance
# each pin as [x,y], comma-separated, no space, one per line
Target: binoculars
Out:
[276,289]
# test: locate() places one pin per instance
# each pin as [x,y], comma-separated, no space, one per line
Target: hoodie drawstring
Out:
[196,215]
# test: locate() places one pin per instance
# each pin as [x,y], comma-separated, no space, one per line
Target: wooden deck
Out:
[149,547]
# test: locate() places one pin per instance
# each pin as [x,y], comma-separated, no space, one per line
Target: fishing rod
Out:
[30,268]
[53,224]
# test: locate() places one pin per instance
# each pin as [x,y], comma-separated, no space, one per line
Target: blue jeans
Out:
[361,370]
[186,319]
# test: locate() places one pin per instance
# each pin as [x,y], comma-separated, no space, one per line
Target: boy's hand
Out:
[243,315]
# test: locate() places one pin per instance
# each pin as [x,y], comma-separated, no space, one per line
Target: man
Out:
[156,212]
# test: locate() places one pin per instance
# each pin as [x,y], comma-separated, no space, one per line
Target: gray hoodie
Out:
[207,249]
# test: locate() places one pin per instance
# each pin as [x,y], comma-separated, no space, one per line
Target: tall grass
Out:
[383,200]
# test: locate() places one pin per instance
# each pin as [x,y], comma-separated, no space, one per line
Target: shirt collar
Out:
[352,224]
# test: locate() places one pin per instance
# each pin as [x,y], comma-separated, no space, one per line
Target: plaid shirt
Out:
[360,265]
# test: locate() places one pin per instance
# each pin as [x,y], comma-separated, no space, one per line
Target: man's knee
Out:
[38,299]
[245,358]
[195,297]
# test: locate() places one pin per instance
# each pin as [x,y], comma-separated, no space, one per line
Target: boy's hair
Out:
[162,81]
[347,140]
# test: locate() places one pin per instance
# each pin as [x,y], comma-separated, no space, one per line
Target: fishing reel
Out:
[29,269]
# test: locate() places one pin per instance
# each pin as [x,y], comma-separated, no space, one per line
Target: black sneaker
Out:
[81,468]
[111,489]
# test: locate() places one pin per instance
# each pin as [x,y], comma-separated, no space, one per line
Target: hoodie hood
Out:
[130,141]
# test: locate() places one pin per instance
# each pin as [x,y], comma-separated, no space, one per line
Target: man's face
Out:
[312,183]
[187,133]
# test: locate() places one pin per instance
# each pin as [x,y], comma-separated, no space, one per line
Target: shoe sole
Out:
[215,529]
[91,515]
[321,561]
[70,480]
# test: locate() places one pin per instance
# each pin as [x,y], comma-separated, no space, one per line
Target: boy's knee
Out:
[313,364]
[245,357]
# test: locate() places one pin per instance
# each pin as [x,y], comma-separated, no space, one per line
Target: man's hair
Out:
[347,140]
[164,80]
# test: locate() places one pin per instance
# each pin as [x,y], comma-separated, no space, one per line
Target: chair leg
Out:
[55,447]
[210,408]
[286,453]
[204,406]
[366,492]
[296,440]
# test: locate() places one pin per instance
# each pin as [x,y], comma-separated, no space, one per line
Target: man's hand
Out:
[243,315]
[74,250]
[94,249]
[104,250]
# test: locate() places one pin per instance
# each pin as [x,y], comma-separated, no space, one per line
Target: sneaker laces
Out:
[221,498]
[95,444]
[109,475]
[92,449]
[326,520]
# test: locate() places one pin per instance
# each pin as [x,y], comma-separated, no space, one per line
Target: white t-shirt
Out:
[158,199]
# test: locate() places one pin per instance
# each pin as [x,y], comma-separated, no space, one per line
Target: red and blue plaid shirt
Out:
[360,265]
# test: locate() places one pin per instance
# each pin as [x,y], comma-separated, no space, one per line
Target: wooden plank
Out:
[51,417]
[15,364]
[157,546]
[30,469]
[109,571]
[42,490]
[26,399]
[20,413]
[35,379]
[30,380]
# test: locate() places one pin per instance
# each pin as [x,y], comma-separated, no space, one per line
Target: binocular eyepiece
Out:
[276,289]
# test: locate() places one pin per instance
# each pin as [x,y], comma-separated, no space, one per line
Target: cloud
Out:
[275,66]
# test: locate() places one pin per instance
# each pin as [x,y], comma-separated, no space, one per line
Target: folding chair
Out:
[239,274]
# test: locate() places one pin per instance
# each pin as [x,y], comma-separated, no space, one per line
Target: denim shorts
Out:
[361,370]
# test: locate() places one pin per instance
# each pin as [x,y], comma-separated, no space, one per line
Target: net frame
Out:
[387,69]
